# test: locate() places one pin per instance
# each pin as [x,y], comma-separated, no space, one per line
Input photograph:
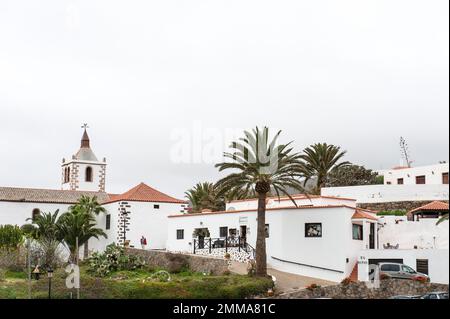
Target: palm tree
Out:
[261,166]
[205,196]
[77,224]
[91,207]
[319,160]
[46,230]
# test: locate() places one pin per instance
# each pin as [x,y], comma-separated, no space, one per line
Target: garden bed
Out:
[137,285]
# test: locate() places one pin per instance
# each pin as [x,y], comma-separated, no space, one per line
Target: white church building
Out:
[141,211]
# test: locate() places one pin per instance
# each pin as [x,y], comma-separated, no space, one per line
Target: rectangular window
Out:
[420,179]
[223,232]
[400,181]
[445,178]
[313,230]
[422,266]
[180,234]
[357,232]
[108,222]
[156,206]
[267,231]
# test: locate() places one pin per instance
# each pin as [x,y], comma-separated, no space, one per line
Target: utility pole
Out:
[29,266]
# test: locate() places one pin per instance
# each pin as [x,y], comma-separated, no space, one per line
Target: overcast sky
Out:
[358,74]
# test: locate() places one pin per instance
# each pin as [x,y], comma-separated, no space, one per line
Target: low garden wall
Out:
[235,254]
[359,290]
[176,262]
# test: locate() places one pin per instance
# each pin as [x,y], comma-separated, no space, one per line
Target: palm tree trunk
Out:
[86,250]
[261,255]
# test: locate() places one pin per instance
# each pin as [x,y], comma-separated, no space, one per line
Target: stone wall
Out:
[236,254]
[394,205]
[175,262]
[359,290]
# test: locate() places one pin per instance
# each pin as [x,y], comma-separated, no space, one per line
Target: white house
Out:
[401,184]
[429,175]
[140,212]
[417,241]
[320,237]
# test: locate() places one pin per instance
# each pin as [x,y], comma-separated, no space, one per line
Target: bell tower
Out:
[84,172]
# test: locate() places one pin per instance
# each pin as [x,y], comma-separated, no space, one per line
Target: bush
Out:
[11,237]
[113,259]
[397,212]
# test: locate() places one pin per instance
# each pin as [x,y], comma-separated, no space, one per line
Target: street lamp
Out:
[50,276]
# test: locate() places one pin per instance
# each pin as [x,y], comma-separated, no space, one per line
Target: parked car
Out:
[436,295]
[401,271]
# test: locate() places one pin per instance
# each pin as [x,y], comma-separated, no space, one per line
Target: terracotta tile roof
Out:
[52,196]
[144,193]
[434,206]
[359,214]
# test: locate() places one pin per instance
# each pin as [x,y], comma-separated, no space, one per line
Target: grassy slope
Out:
[132,285]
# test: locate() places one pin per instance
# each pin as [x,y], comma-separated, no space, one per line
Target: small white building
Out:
[140,212]
[429,175]
[321,237]
[401,184]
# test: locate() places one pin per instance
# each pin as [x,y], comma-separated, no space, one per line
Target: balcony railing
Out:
[223,243]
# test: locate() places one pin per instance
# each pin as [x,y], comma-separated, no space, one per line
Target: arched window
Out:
[88,174]
[66,174]
[36,212]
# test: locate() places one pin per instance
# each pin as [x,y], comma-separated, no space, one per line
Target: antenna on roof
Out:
[404,150]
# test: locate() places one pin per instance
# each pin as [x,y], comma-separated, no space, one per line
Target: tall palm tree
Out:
[205,196]
[262,166]
[46,230]
[77,224]
[319,160]
[91,207]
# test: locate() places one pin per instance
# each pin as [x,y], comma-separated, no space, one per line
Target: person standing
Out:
[143,242]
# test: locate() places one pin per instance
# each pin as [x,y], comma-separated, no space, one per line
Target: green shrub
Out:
[11,237]
[397,212]
[113,259]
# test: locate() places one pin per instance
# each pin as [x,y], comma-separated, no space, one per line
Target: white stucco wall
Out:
[145,220]
[389,193]
[432,173]
[16,213]
[287,240]
[438,261]
[285,202]
[424,234]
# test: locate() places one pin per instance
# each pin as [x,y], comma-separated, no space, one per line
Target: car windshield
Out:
[408,269]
